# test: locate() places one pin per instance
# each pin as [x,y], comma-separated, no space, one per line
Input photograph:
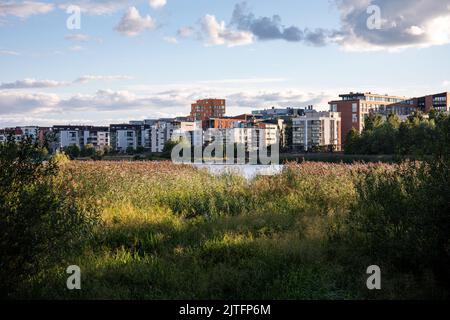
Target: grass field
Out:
[174,232]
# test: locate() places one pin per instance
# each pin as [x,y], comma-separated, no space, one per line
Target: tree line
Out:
[419,134]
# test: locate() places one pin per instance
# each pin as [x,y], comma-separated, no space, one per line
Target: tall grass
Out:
[174,232]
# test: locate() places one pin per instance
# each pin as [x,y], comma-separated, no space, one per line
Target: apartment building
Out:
[19,133]
[354,107]
[226,122]
[129,136]
[275,113]
[3,135]
[252,134]
[207,108]
[317,130]
[81,136]
[160,133]
[438,101]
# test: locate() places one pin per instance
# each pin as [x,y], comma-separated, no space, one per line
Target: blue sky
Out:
[152,58]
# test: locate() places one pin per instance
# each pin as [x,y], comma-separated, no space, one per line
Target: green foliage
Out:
[88,151]
[40,217]
[412,137]
[401,218]
[73,151]
[169,145]
[174,232]
[130,151]
[60,157]
[373,121]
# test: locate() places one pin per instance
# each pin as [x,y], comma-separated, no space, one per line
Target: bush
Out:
[40,216]
[73,151]
[402,217]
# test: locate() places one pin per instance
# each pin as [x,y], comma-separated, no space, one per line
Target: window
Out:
[354,107]
[355,118]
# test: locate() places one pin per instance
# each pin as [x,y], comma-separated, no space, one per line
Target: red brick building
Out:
[354,107]
[207,109]
[438,101]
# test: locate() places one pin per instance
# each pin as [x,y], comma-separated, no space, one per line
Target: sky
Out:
[120,60]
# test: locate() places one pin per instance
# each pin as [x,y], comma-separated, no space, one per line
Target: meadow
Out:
[169,231]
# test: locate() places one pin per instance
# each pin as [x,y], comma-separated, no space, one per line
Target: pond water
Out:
[247,171]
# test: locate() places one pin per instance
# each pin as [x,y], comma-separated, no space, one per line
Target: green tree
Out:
[393,120]
[40,215]
[373,121]
[88,151]
[352,142]
[130,151]
[73,151]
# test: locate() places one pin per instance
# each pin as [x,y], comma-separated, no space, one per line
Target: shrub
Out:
[40,216]
[402,218]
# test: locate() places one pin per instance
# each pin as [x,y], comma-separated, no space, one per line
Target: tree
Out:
[140,150]
[373,121]
[88,151]
[40,215]
[73,151]
[168,147]
[352,142]
[129,150]
[393,120]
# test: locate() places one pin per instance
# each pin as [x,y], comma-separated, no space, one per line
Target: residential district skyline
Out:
[141,59]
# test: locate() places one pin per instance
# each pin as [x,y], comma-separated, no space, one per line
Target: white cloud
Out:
[132,24]
[415,31]
[33,84]
[76,48]
[24,9]
[9,53]
[80,37]
[157,4]
[87,78]
[24,103]
[186,32]
[399,27]
[151,101]
[98,7]
[217,33]
[42,84]
[171,40]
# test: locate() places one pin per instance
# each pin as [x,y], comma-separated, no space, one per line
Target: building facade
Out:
[275,113]
[129,136]
[354,107]
[207,108]
[317,130]
[438,102]
[80,136]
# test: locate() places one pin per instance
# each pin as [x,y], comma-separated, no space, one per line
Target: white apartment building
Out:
[80,136]
[30,131]
[126,139]
[163,131]
[252,135]
[317,130]
[68,138]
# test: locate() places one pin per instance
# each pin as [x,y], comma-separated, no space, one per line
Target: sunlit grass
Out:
[173,232]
